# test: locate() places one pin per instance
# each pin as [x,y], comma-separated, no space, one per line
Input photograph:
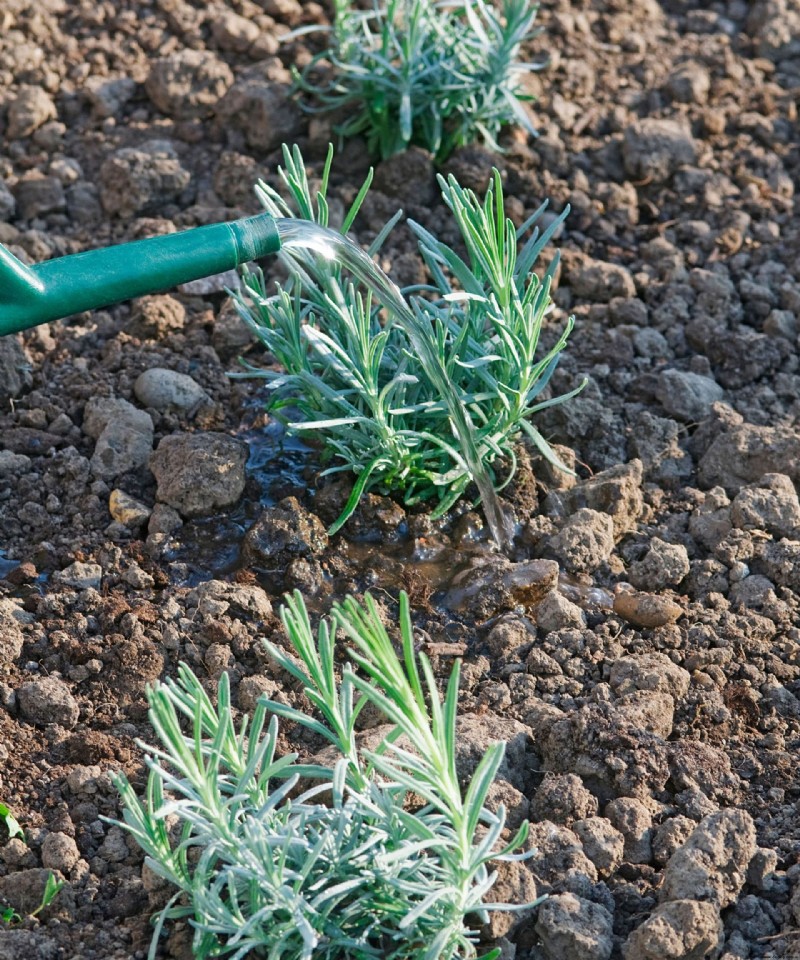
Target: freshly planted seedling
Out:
[347,869]
[415,71]
[354,377]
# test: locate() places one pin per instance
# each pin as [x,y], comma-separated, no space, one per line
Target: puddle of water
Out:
[210,547]
[6,565]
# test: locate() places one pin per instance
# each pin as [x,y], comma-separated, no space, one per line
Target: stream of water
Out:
[304,235]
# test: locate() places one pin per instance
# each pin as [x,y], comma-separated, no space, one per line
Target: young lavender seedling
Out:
[355,379]
[436,74]
[347,869]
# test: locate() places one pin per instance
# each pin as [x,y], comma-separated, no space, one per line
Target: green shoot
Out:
[357,381]
[10,822]
[438,75]
[347,868]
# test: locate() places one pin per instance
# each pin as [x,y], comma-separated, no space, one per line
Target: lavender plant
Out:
[356,380]
[437,74]
[346,869]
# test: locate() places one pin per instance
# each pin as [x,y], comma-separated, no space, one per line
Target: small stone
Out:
[48,701]
[231,336]
[124,436]
[584,542]
[602,842]
[282,533]
[556,612]
[157,316]
[163,389]
[263,110]
[164,520]
[690,83]
[664,565]
[687,396]
[493,584]
[8,204]
[37,196]
[233,32]
[781,563]
[779,323]
[653,149]
[136,180]
[188,85]
[669,836]
[571,927]
[712,864]
[30,109]
[562,798]
[15,369]
[653,672]
[59,852]
[769,504]
[679,930]
[127,510]
[635,822]
[199,473]
[646,609]
[12,619]
[108,96]
[247,600]
[600,281]
[616,492]
[81,576]
[252,689]
[741,453]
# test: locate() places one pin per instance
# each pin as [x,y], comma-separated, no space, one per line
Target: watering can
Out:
[98,278]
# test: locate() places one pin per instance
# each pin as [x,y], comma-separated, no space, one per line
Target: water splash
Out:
[307,236]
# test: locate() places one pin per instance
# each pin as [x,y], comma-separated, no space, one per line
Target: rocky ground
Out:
[639,648]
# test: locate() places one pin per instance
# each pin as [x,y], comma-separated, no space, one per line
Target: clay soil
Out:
[639,647]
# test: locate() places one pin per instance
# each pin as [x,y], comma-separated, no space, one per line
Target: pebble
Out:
[562,798]
[81,576]
[282,533]
[127,510]
[584,542]
[635,822]
[163,389]
[124,436]
[646,609]
[569,926]
[137,180]
[30,109]
[654,672]
[653,149]
[712,864]
[770,504]
[679,929]
[187,85]
[198,473]
[687,396]
[46,701]
[59,852]
[262,110]
[603,844]
[12,620]
[36,196]
[601,281]
[664,565]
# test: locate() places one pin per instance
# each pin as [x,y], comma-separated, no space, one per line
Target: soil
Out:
[640,645]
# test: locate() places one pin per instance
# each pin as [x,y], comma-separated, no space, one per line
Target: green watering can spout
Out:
[98,278]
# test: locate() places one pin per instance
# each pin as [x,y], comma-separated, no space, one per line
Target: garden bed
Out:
[638,647]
